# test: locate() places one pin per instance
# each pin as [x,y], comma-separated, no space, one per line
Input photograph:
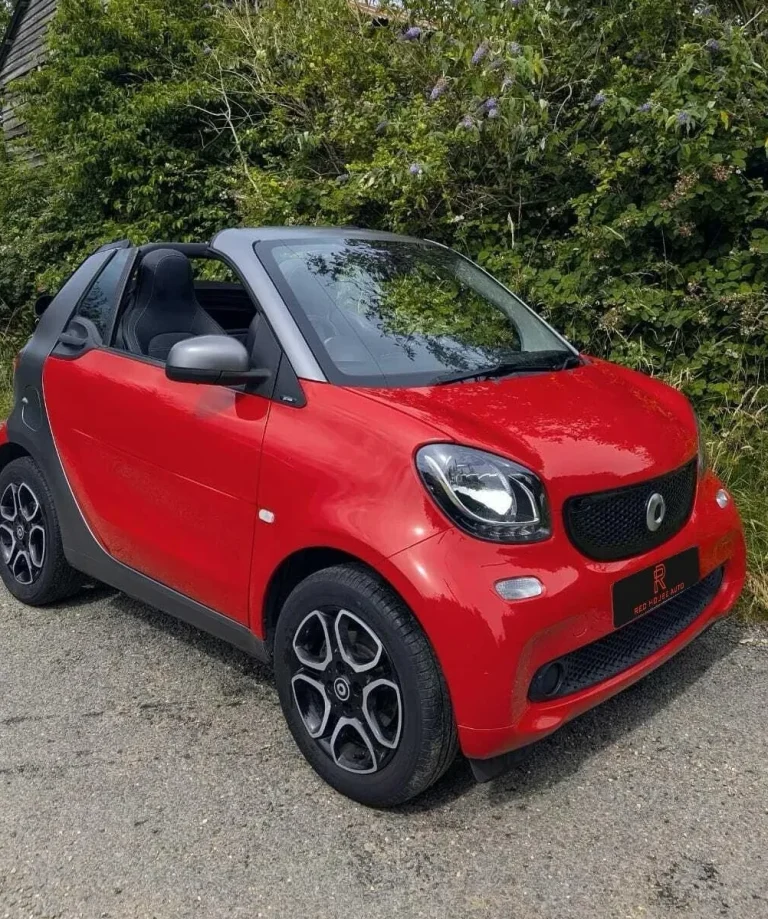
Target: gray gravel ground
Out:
[145,771]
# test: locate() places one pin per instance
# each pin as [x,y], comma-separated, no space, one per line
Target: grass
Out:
[739,454]
[6,387]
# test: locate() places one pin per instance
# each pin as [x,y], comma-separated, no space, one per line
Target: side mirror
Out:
[213,359]
[42,303]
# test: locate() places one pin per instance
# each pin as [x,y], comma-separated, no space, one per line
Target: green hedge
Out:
[607,159]
[116,118]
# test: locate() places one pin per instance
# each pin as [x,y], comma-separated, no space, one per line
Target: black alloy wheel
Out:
[346,690]
[32,562]
[23,533]
[361,688]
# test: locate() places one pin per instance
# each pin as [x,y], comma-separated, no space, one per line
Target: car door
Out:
[165,473]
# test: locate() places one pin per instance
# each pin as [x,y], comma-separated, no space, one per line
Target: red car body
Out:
[340,475]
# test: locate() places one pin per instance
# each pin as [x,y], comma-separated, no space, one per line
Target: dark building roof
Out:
[23,48]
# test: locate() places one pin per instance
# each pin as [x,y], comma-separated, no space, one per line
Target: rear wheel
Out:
[361,689]
[32,563]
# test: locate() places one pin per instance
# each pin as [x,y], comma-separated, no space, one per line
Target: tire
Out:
[32,562]
[344,638]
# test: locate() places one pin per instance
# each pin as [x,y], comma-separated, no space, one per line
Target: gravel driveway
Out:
[145,770]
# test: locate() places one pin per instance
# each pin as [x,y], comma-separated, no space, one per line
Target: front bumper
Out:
[490,649]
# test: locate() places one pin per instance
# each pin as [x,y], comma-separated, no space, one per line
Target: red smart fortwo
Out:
[359,456]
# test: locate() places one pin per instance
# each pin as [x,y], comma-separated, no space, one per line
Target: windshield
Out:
[399,313]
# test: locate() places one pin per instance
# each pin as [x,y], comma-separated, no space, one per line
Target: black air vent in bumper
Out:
[625,647]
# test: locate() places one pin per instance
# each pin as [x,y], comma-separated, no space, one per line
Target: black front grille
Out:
[625,647]
[611,525]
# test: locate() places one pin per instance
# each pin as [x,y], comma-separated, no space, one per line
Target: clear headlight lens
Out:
[486,495]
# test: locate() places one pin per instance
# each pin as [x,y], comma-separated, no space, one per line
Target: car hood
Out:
[594,427]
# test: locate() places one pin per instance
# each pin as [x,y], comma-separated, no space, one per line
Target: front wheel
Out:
[361,689]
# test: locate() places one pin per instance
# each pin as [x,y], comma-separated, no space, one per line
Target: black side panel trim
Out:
[169,601]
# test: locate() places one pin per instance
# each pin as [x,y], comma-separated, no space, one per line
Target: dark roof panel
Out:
[23,46]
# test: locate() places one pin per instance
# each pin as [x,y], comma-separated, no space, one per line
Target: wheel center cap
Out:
[341,688]
[20,531]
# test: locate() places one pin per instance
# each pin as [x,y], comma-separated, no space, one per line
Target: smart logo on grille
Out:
[655,512]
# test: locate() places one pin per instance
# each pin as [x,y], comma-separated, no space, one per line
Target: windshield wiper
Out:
[527,362]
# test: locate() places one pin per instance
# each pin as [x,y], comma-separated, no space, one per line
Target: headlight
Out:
[487,496]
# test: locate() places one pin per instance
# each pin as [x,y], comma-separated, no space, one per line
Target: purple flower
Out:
[438,89]
[516,4]
[412,34]
[490,103]
[514,48]
[382,126]
[598,100]
[684,118]
[645,107]
[415,169]
[467,122]
[493,112]
[342,179]
[480,52]
[713,46]
[496,65]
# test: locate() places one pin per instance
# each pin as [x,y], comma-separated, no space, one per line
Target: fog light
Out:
[547,681]
[722,498]
[519,588]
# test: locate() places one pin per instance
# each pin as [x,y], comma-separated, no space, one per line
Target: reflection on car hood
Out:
[594,427]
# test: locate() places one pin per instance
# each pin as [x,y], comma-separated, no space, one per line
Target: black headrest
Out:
[165,275]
